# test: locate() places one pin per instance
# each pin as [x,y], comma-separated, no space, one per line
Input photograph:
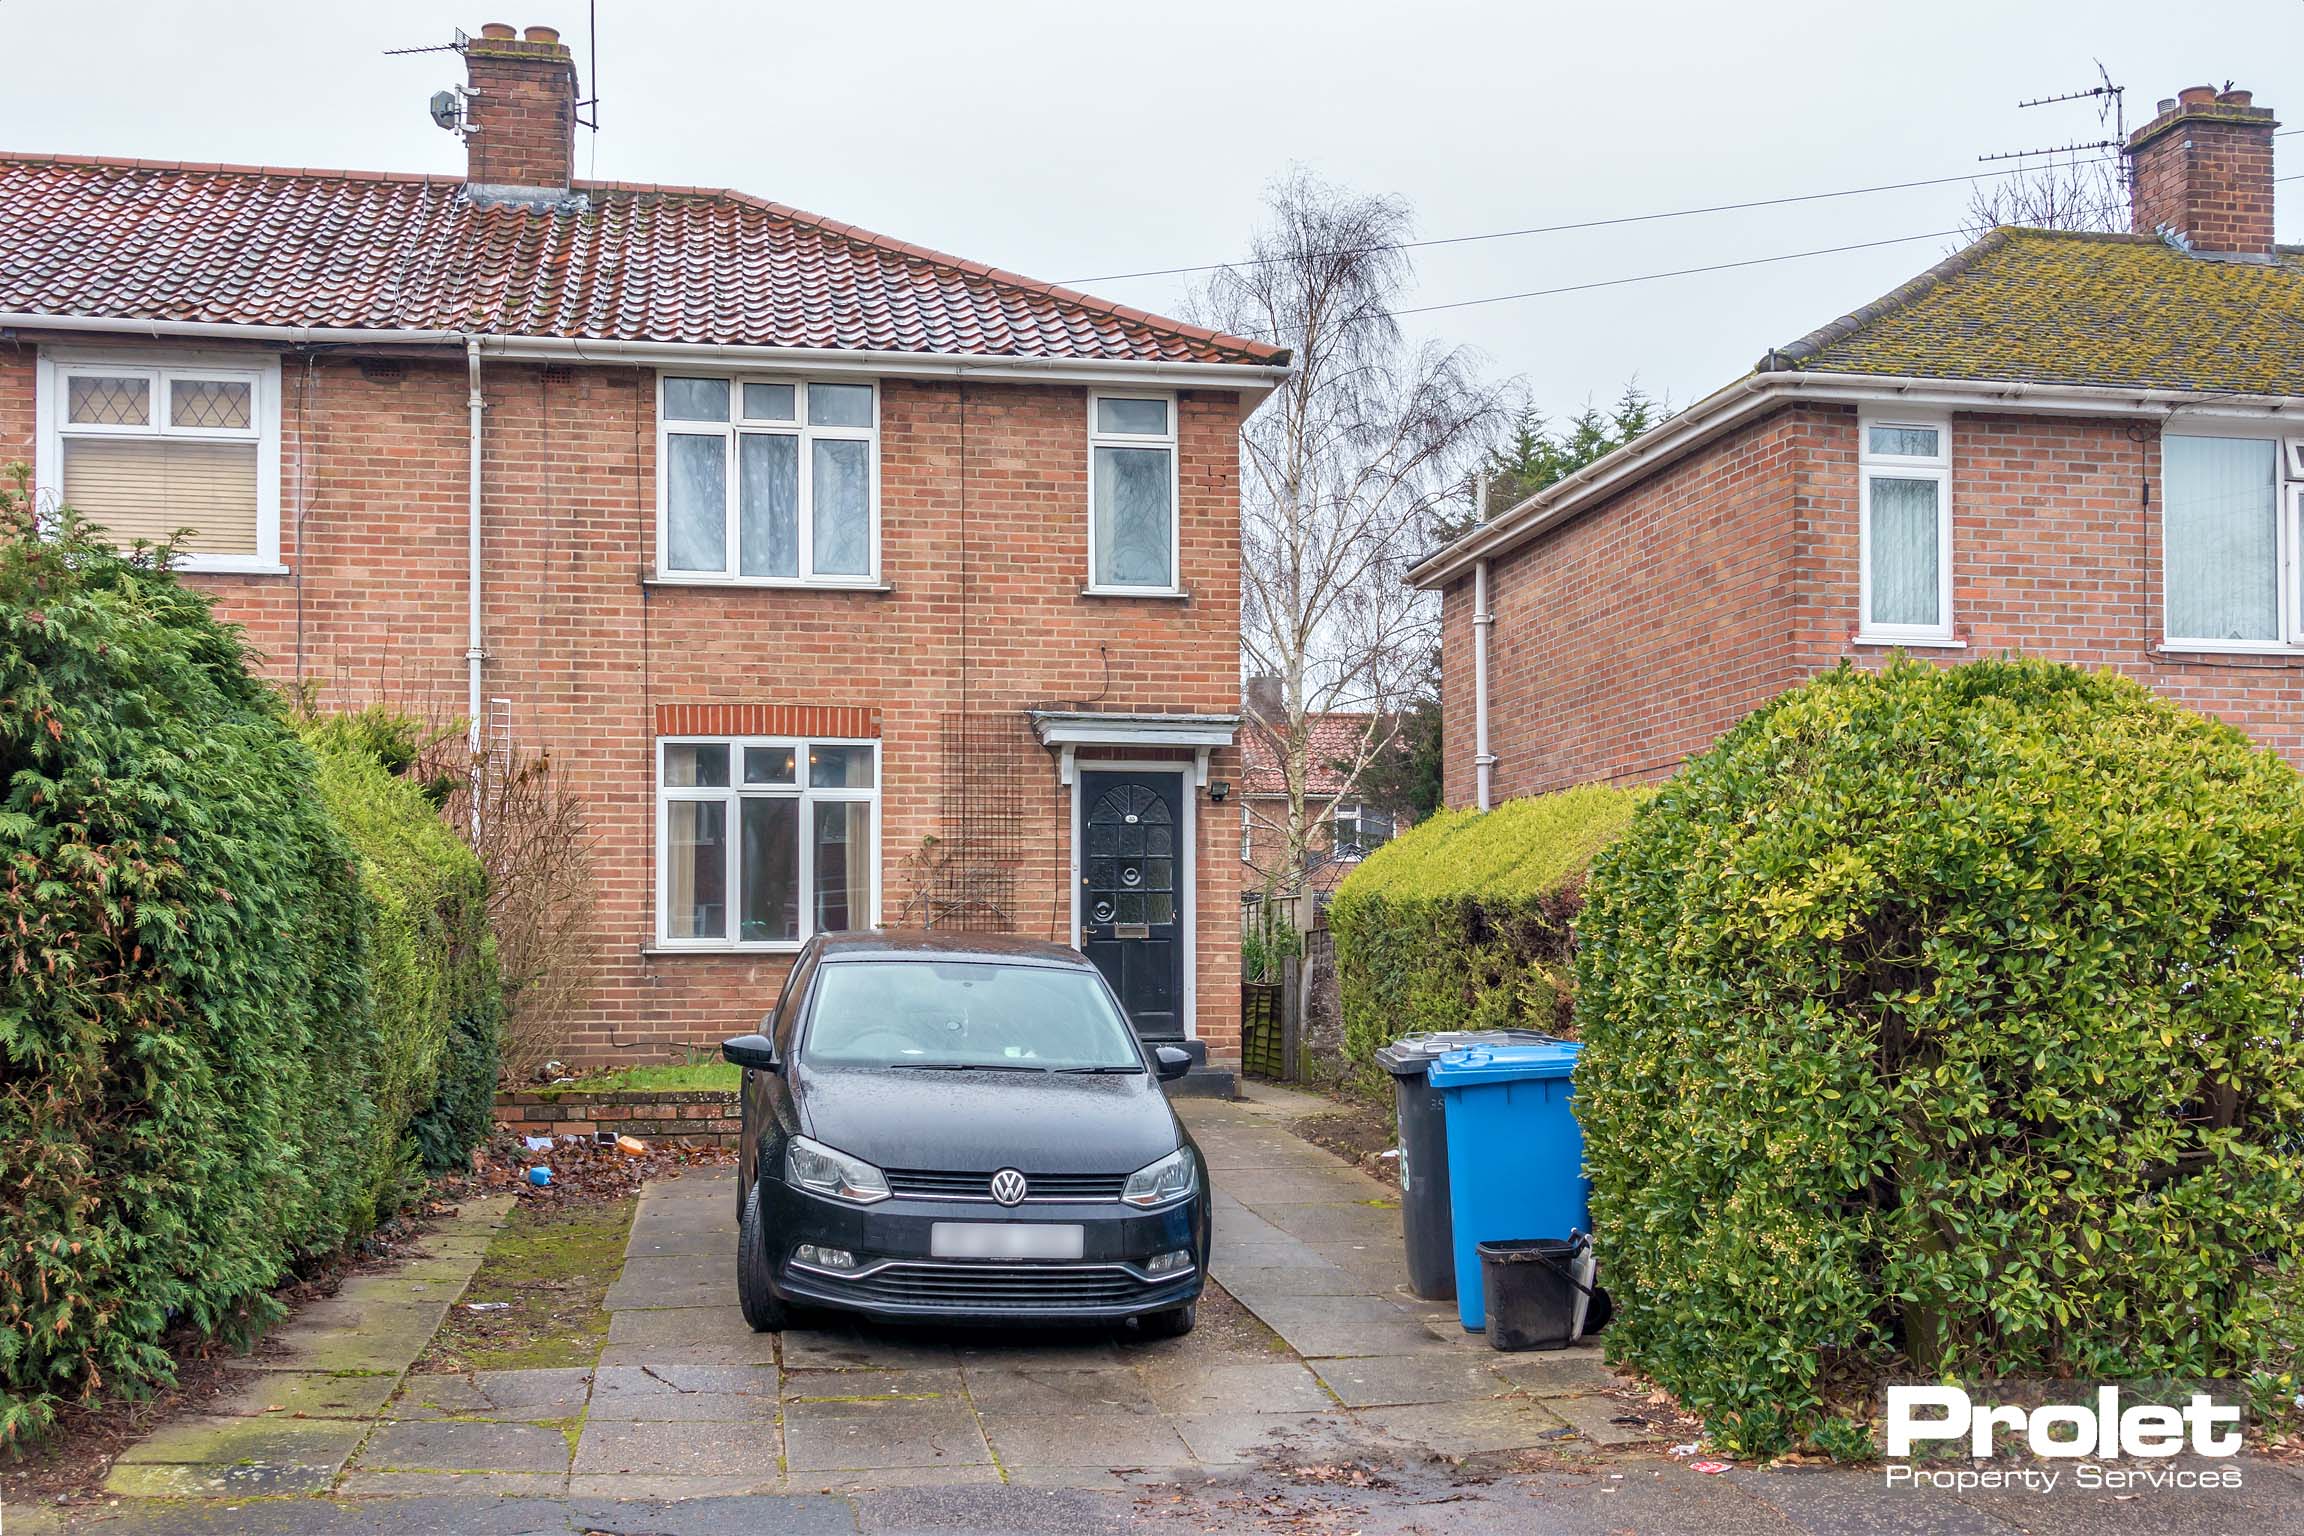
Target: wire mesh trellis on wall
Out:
[968,880]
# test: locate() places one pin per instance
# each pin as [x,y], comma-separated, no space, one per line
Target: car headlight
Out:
[815,1167]
[1164,1182]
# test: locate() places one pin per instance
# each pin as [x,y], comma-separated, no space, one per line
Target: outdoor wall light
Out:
[1219,790]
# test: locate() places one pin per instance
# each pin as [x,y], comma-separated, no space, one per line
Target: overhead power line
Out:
[1554,229]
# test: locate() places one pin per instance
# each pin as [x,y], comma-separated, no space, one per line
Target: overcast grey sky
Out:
[1069,140]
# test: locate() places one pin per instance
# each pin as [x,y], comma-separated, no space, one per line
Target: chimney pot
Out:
[2201,173]
[2167,104]
[500,31]
[542,34]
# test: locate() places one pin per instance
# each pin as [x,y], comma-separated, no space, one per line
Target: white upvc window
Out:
[149,445]
[1357,830]
[1904,477]
[2230,506]
[1132,494]
[764,842]
[767,480]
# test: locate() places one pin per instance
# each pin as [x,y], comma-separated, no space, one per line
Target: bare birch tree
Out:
[1342,472]
[2072,193]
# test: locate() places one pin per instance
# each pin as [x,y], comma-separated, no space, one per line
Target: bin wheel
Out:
[1173,1323]
[762,1308]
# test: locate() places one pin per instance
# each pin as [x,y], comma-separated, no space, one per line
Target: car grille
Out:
[928,1184]
[1023,1287]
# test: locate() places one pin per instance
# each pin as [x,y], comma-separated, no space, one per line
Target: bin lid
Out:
[1411,1054]
[1504,1063]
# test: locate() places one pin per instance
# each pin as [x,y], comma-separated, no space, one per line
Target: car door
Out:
[766,1097]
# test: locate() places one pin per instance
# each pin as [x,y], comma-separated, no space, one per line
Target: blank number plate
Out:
[1003,1240]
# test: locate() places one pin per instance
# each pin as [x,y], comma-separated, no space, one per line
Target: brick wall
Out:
[685,1118]
[2204,169]
[522,111]
[1636,634]
[985,616]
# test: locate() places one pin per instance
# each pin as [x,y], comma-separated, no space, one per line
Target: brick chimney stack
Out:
[522,146]
[2201,172]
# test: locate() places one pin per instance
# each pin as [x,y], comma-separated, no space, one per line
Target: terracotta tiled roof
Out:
[2065,308]
[141,240]
[1335,738]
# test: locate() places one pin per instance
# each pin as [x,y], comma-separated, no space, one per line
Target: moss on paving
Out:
[682,1077]
[552,1268]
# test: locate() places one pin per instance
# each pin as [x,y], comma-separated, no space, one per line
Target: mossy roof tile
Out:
[2067,308]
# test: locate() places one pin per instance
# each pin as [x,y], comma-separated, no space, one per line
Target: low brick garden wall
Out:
[702,1117]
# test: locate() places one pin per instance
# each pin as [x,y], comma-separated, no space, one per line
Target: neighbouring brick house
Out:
[1346,828]
[2082,446]
[847,581]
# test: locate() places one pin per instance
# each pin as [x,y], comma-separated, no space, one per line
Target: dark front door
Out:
[1132,893]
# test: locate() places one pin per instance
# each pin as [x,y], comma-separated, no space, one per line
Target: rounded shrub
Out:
[1944,1021]
[1464,921]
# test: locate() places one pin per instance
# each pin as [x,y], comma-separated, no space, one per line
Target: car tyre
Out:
[1173,1323]
[763,1309]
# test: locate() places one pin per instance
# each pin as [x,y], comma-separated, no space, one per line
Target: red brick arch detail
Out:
[767,720]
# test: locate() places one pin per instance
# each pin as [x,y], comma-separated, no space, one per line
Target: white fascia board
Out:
[1090,729]
[1724,409]
[1255,380]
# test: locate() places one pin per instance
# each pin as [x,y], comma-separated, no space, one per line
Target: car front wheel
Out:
[763,1309]
[1173,1323]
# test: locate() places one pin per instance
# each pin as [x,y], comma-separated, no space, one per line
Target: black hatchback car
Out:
[959,1128]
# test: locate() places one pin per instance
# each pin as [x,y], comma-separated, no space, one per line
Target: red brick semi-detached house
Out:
[2082,446]
[851,583]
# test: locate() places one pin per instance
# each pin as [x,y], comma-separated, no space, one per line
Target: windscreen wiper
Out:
[964,1066]
[1138,1071]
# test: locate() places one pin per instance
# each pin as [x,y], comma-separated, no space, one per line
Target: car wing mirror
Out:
[755,1053]
[1172,1063]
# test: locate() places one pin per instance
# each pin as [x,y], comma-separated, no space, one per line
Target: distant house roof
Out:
[250,245]
[2068,308]
[1335,738]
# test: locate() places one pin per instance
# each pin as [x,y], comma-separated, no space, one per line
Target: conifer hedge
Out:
[1944,1022]
[1464,921]
[190,1050]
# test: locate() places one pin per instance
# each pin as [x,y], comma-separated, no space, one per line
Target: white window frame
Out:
[1357,811]
[731,794]
[1167,440]
[738,425]
[1936,467]
[262,371]
[2288,540]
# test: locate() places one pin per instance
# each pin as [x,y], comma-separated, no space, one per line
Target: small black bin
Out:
[1530,1289]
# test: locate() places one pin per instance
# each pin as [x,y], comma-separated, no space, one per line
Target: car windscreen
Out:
[967,1014]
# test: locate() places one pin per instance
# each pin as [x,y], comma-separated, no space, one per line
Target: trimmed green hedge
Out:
[1463,921]
[218,1015]
[431,958]
[1944,1021]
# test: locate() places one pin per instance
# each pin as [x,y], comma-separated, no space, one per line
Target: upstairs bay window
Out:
[152,450]
[2230,545]
[767,480]
[1132,545]
[762,844]
[1904,476]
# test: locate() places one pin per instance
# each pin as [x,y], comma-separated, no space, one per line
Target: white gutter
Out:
[1723,409]
[1253,377]
[1483,760]
[474,652]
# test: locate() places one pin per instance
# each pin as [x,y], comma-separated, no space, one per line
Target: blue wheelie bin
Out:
[1515,1155]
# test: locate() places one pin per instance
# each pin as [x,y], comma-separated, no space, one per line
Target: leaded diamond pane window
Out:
[106,400]
[225,403]
[157,455]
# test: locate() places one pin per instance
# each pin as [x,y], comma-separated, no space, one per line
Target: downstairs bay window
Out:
[764,843]
[2230,545]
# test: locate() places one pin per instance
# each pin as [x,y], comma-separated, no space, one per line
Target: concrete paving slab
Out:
[1464,1429]
[759,1351]
[362,1484]
[1375,1381]
[1078,1348]
[1222,1438]
[1087,1439]
[941,1479]
[1359,1336]
[222,1441]
[680,1280]
[1554,1372]
[309,1394]
[1019,1390]
[466,1446]
[205,1480]
[386,1348]
[860,1436]
[844,1348]
[400,1288]
[627,1486]
[1595,1418]
[656,1449]
[1289,1254]
[786,1515]
[700,1336]
[528,1396]
[1276,1282]
[925,1383]
[1252,1386]
[755,1380]
[399,1317]
[681,1407]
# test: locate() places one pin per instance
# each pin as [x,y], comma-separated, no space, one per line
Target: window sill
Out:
[661,951]
[195,565]
[1909,642]
[2180,648]
[1162,594]
[765,583]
